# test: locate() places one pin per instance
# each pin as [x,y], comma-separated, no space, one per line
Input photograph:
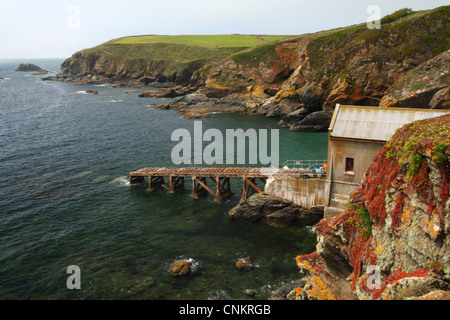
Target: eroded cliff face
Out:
[303,79]
[393,241]
[101,66]
[299,79]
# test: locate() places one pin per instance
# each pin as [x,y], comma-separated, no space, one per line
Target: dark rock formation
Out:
[27,67]
[274,211]
[315,122]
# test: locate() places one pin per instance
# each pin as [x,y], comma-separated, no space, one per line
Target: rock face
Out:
[426,86]
[274,211]
[393,241]
[300,79]
[27,67]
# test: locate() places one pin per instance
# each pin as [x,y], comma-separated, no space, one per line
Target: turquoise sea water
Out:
[64,200]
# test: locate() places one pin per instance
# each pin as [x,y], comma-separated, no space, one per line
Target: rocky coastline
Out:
[299,80]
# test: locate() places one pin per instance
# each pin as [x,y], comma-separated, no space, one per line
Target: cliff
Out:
[297,78]
[302,79]
[393,240]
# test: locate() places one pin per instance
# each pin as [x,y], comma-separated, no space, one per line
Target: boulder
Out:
[244,264]
[318,121]
[441,100]
[274,211]
[182,267]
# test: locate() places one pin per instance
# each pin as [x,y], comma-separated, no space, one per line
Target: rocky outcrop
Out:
[28,67]
[300,79]
[393,241]
[311,74]
[274,211]
[426,86]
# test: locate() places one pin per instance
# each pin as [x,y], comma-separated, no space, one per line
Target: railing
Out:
[305,169]
[304,164]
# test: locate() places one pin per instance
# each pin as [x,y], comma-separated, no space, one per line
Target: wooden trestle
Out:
[200,176]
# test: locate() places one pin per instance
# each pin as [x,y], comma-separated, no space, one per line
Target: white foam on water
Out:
[118,179]
[124,182]
[82,92]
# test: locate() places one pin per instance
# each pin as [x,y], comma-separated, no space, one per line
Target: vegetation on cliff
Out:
[398,221]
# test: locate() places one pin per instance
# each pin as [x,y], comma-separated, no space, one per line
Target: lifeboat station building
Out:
[355,136]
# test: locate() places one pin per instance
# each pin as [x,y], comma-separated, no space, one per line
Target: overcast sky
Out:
[58,28]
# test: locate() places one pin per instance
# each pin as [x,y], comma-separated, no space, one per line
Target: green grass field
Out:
[229,40]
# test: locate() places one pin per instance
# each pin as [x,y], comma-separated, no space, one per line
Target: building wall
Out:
[339,182]
[308,193]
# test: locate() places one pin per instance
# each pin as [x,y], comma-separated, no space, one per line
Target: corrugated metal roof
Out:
[375,123]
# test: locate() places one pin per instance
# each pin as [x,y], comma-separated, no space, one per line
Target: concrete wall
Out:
[308,193]
[339,182]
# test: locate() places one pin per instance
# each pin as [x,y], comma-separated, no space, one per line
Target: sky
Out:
[59,28]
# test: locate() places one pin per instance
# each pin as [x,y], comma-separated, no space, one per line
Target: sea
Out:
[65,200]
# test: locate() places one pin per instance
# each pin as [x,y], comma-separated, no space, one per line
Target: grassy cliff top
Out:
[226,40]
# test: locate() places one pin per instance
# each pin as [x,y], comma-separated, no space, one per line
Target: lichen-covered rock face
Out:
[393,240]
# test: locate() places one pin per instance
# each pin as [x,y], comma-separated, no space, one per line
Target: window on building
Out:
[349,163]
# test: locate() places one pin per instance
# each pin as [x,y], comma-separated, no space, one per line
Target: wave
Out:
[82,92]
[85,173]
[120,179]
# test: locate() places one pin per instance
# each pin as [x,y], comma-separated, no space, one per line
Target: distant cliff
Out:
[298,78]
[393,241]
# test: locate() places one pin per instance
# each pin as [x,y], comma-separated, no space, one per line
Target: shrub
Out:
[396,15]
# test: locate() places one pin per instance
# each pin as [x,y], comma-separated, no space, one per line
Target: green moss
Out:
[412,141]
[362,222]
[415,163]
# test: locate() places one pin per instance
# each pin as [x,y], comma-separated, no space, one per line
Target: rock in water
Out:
[28,67]
[274,211]
[183,267]
[244,264]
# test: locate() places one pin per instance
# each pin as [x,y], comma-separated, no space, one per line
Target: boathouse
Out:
[355,136]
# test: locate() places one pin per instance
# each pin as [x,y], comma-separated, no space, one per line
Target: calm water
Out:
[64,200]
